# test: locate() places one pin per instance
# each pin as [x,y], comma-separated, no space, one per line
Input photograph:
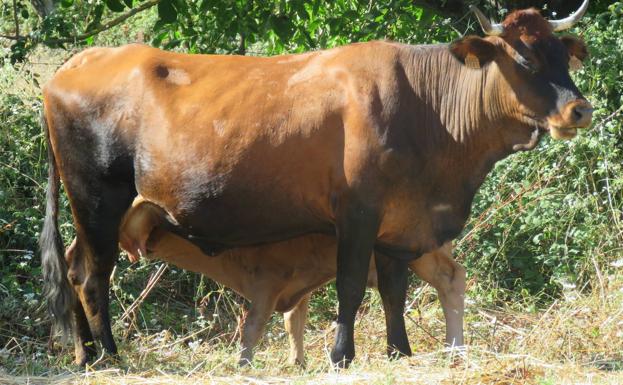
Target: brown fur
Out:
[527,25]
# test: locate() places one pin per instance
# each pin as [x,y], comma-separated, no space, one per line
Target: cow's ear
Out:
[577,51]
[473,51]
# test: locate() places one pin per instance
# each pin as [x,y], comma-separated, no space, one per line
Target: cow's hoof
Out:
[244,362]
[342,359]
[395,353]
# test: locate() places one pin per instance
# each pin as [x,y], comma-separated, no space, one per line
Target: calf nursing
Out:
[280,276]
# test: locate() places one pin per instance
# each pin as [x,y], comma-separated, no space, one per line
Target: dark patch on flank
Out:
[162,71]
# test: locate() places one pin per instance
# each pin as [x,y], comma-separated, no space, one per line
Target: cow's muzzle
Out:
[574,115]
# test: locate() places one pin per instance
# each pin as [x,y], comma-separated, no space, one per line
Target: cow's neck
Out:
[461,125]
[462,117]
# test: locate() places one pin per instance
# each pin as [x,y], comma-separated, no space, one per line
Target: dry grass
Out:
[578,340]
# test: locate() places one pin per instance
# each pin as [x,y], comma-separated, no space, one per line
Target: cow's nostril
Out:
[582,112]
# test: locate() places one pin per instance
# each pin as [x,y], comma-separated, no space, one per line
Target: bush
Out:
[552,217]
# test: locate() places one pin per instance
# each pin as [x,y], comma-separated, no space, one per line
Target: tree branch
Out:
[11,37]
[104,27]
[16,19]
[101,28]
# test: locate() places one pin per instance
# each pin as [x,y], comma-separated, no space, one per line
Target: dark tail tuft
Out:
[56,288]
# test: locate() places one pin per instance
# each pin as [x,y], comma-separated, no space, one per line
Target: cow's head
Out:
[535,65]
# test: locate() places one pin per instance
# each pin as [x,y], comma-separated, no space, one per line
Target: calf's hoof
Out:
[82,360]
[296,361]
[85,354]
[244,363]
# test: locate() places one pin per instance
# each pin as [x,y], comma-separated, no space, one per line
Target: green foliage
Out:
[548,218]
[272,27]
[22,157]
[231,26]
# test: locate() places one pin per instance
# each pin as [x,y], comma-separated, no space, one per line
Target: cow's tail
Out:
[57,290]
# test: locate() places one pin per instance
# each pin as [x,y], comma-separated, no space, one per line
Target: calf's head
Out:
[533,64]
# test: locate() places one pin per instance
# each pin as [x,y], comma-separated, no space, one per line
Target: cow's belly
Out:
[243,199]
[238,219]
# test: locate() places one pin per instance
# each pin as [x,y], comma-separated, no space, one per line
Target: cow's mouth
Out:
[563,133]
[556,132]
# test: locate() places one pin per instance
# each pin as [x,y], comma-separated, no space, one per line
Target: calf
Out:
[280,276]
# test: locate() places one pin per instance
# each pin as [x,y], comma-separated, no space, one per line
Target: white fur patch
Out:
[442,207]
[178,76]
[314,68]
[219,127]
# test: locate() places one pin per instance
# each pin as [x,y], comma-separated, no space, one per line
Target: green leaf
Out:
[24,13]
[166,11]
[128,3]
[114,5]
[282,26]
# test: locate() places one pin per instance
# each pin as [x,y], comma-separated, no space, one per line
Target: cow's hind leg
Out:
[393,281]
[295,321]
[84,343]
[98,209]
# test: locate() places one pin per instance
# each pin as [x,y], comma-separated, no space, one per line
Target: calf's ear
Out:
[473,51]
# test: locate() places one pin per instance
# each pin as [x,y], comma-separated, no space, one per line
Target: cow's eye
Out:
[526,64]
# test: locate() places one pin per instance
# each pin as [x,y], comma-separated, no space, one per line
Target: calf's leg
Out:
[442,272]
[261,309]
[392,283]
[295,321]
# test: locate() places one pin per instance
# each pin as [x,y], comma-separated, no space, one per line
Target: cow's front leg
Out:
[357,228]
[393,281]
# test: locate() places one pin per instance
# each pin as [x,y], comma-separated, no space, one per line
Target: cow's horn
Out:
[488,28]
[568,22]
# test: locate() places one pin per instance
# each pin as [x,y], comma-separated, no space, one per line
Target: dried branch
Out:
[16,19]
[104,27]
[101,28]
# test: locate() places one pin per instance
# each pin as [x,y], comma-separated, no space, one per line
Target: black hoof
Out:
[395,353]
[341,359]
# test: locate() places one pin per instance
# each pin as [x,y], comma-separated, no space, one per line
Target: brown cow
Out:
[280,276]
[380,144]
